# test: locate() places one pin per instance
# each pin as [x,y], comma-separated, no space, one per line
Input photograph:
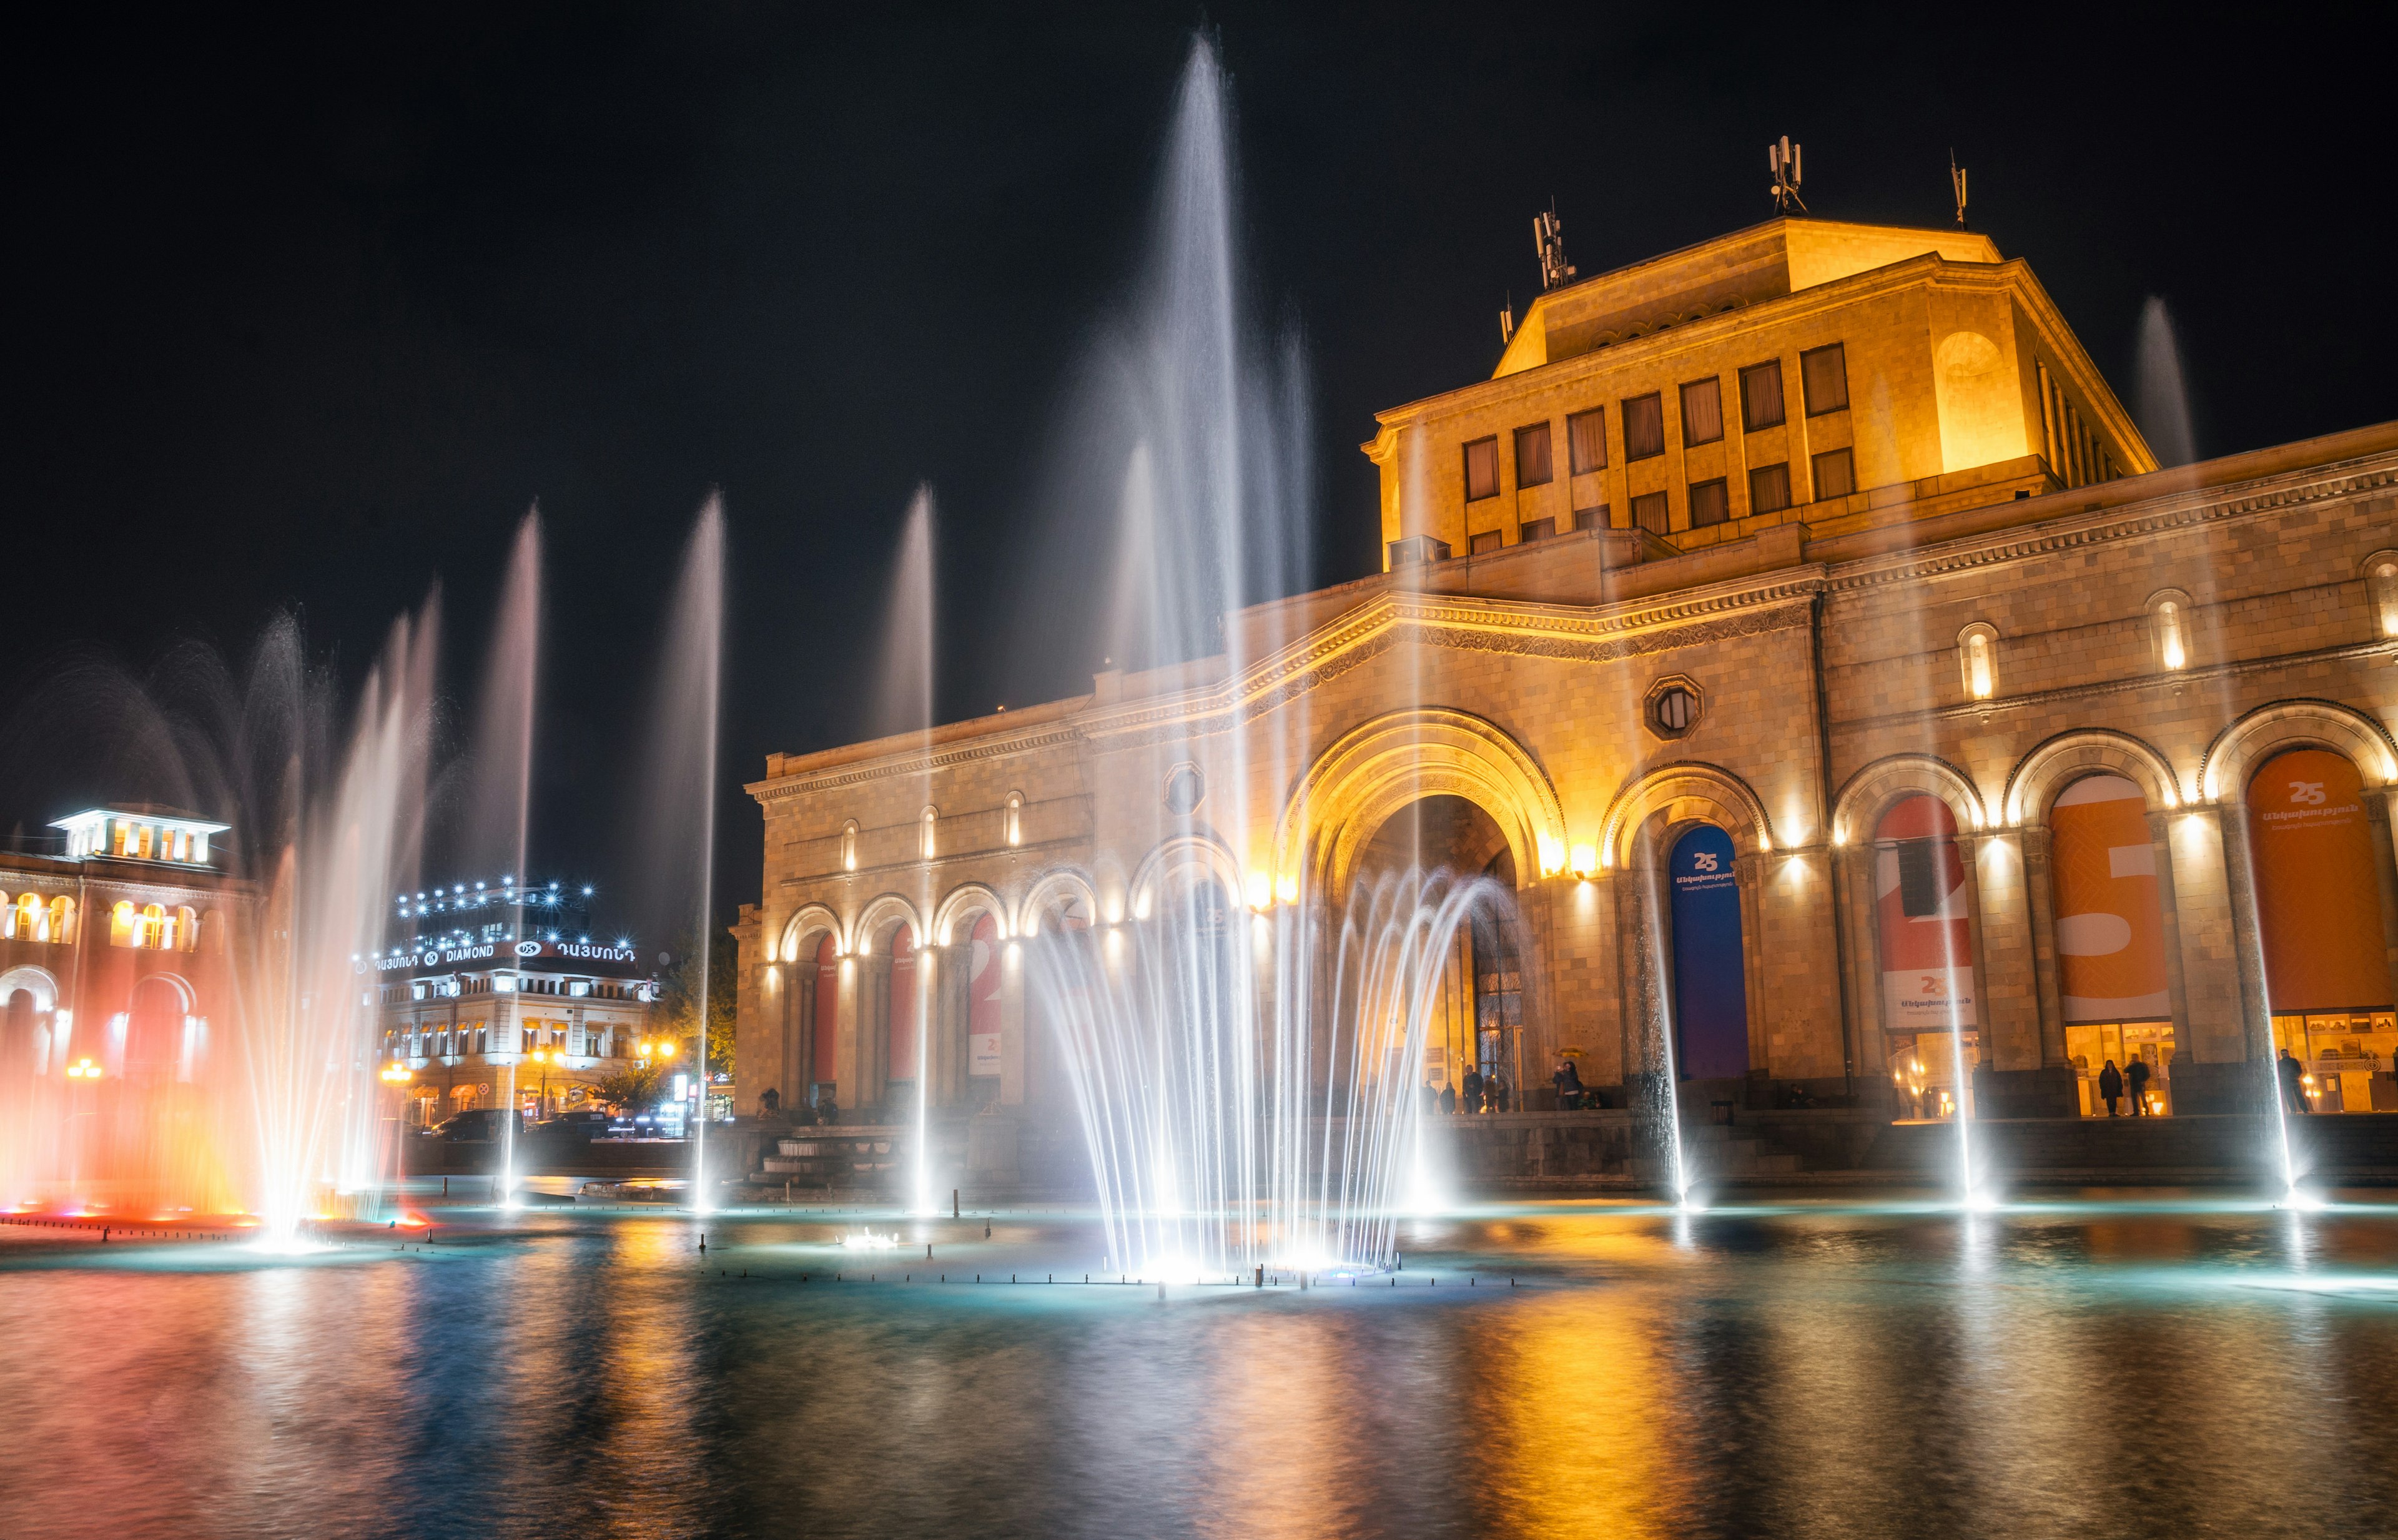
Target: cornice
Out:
[2162,514]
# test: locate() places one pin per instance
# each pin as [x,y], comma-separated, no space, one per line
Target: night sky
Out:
[303,314]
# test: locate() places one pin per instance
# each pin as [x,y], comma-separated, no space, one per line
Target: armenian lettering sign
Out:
[1710,984]
[1922,909]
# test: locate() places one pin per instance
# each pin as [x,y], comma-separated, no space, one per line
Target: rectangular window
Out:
[1702,411]
[1481,469]
[1586,439]
[1539,529]
[1650,512]
[1836,474]
[1644,428]
[1710,502]
[1919,895]
[1825,374]
[1769,489]
[1761,396]
[1532,455]
[1591,518]
[1481,544]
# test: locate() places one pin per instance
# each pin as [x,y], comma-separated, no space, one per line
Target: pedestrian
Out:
[1568,1082]
[2294,1090]
[1470,1097]
[1447,1100]
[1494,1093]
[769,1102]
[2136,1082]
[2111,1087]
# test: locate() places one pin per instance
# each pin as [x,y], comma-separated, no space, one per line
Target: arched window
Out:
[1015,817]
[25,919]
[124,929]
[2111,936]
[927,823]
[849,845]
[1924,916]
[2327,979]
[187,929]
[2169,628]
[2382,591]
[61,927]
[1977,659]
[158,931]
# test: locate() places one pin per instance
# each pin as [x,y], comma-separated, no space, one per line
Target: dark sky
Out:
[303,313]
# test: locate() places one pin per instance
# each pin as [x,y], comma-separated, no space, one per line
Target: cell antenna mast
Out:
[1784,159]
[1549,239]
[1957,185]
[1507,321]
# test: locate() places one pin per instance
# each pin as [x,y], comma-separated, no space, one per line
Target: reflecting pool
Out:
[2088,1366]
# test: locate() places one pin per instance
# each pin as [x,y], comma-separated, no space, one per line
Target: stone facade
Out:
[2001,493]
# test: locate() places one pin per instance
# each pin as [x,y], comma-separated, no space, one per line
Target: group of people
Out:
[1477,1093]
[2114,1083]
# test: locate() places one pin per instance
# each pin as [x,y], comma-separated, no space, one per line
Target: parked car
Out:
[581,1123]
[476,1126]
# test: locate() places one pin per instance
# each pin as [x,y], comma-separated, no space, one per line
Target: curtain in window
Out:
[1761,396]
[1710,504]
[1532,455]
[1644,428]
[1481,469]
[1769,489]
[1825,372]
[1586,439]
[1836,474]
[1702,411]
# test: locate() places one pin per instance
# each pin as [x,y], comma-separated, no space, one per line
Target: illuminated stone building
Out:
[1800,627]
[112,950]
[487,986]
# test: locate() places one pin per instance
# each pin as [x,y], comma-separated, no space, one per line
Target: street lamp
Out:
[542,1057]
[83,1069]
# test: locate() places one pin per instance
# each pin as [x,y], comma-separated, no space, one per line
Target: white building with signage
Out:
[495,992]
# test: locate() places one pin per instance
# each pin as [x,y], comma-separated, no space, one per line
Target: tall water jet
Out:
[903,705]
[2164,393]
[674,801]
[498,799]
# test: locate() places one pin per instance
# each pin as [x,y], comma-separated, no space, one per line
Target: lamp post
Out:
[541,1106]
[397,1075]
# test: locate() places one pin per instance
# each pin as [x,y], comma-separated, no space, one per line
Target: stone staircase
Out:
[1720,1152]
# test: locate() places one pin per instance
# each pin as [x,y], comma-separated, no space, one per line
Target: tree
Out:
[678,989]
[634,1089]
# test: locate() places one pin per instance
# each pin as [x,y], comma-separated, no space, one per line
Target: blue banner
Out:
[1710,980]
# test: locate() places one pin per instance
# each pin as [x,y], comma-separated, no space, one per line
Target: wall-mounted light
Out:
[1584,861]
[1286,890]
[1552,855]
[1260,891]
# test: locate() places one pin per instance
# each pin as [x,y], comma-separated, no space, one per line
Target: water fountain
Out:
[674,796]
[272,1113]
[1237,1104]
[904,706]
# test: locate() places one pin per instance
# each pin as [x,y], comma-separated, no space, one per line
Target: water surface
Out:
[2091,1367]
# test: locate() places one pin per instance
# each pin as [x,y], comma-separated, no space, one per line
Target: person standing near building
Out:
[2294,1090]
[1471,1100]
[1568,1082]
[2136,1080]
[2111,1087]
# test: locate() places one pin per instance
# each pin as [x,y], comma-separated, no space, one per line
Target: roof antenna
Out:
[1507,320]
[1549,240]
[1957,185]
[1784,159]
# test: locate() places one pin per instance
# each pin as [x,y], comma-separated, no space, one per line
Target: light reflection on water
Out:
[2103,1369]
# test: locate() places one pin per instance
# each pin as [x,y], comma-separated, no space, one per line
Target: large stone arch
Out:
[879,912]
[2055,764]
[965,899]
[1183,852]
[1402,757]
[1872,789]
[36,982]
[810,918]
[1063,882]
[1685,793]
[2232,759]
